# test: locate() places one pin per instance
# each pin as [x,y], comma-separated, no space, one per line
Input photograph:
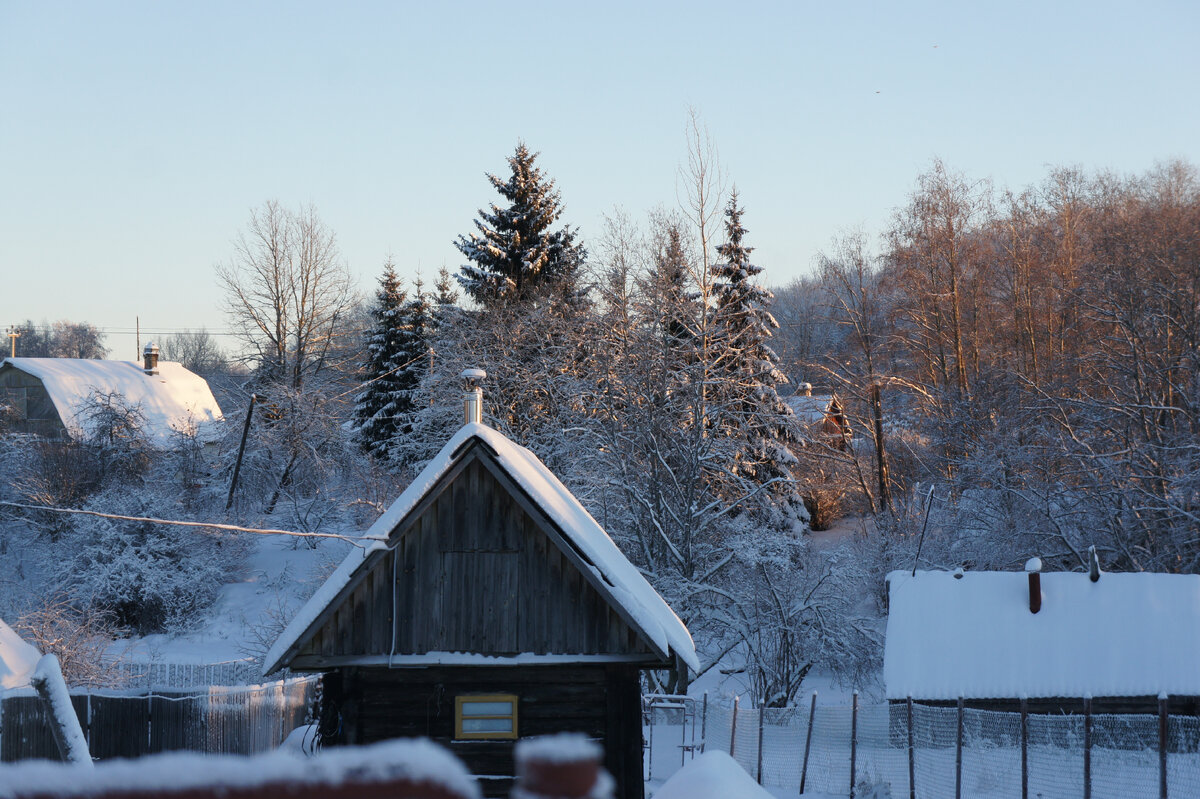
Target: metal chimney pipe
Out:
[472,396]
[1033,568]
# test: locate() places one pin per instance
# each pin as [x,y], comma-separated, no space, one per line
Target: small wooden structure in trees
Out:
[821,417]
[1120,640]
[484,606]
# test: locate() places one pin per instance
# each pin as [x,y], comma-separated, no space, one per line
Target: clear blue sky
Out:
[136,137]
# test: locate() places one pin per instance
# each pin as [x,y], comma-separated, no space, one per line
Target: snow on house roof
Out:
[18,659]
[650,613]
[809,409]
[168,401]
[1124,635]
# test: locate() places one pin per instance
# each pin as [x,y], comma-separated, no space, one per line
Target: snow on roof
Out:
[168,400]
[18,659]
[712,775]
[1125,635]
[809,409]
[649,611]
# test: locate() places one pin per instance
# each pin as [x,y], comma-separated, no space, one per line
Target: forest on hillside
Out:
[1019,369]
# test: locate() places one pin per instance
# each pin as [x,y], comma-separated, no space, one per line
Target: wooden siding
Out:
[366,705]
[36,412]
[474,571]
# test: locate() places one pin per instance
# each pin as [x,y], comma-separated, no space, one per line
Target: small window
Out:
[485,716]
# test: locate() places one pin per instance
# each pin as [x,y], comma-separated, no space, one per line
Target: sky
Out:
[136,137]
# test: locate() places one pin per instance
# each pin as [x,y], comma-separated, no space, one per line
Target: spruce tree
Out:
[382,398]
[747,369]
[516,256]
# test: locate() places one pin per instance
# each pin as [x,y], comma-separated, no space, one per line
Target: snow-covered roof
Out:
[18,659]
[810,409]
[650,613]
[168,401]
[975,637]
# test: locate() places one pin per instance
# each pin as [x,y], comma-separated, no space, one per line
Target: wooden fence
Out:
[218,719]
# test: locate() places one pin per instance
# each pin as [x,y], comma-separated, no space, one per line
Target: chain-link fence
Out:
[924,751]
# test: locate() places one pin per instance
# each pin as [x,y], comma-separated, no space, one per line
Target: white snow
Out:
[414,760]
[650,613]
[18,659]
[712,775]
[1125,635]
[564,748]
[809,409]
[48,680]
[169,401]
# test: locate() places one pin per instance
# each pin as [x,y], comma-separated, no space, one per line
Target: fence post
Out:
[958,753]
[1162,746]
[1024,748]
[812,711]
[733,727]
[703,725]
[762,712]
[912,755]
[853,740]
[1087,747]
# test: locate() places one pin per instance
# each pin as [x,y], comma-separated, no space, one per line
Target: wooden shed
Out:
[1120,640]
[51,396]
[484,606]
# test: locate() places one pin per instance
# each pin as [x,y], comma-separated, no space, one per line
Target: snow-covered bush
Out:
[150,577]
[78,634]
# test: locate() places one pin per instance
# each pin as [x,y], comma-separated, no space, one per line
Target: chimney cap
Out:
[150,348]
[473,374]
[1033,565]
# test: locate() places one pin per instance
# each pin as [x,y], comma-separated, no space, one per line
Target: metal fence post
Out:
[704,725]
[762,712]
[812,711]
[1087,747]
[912,755]
[958,753]
[1024,748]
[733,727]
[1162,746]
[853,740]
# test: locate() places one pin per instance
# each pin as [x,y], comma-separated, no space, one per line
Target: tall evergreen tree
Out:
[747,369]
[516,256]
[382,399]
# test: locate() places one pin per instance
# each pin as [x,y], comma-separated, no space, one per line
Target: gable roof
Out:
[610,570]
[168,400]
[811,409]
[18,659]
[1124,635]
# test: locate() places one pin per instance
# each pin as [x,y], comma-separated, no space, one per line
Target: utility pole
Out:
[13,335]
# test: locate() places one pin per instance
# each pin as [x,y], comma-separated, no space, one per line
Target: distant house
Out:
[821,417]
[486,605]
[1122,640]
[51,396]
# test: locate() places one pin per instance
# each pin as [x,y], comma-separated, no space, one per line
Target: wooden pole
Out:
[853,740]
[237,467]
[812,711]
[1024,748]
[733,727]
[704,725]
[1087,747]
[958,753]
[762,712]
[1162,746]
[912,755]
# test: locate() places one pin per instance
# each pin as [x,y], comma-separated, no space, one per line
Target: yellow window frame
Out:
[459,701]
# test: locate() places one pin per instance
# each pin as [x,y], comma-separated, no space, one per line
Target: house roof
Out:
[810,409]
[168,400]
[18,659]
[650,614]
[975,637]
